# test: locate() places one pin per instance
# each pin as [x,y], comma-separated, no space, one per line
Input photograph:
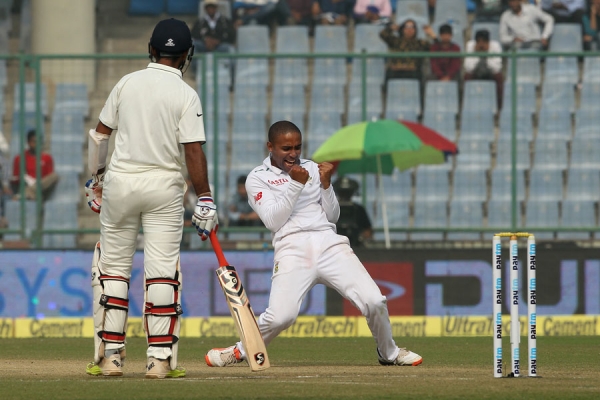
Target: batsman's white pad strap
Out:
[97,150]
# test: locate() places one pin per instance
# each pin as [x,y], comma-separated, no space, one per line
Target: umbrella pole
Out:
[386,228]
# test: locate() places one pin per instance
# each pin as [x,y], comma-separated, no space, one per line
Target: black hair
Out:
[445,28]
[482,34]
[241,180]
[30,134]
[281,128]
[401,30]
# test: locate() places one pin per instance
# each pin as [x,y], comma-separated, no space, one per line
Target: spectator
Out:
[372,11]
[4,159]
[49,177]
[213,32]
[262,12]
[565,10]
[239,211]
[489,10]
[519,26]
[485,68]
[404,39]
[354,221]
[445,69]
[591,26]
[300,12]
[332,12]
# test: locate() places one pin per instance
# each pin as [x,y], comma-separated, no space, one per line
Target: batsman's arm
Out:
[195,160]
[273,212]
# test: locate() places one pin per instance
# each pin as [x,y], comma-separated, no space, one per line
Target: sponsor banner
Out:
[318,326]
[395,280]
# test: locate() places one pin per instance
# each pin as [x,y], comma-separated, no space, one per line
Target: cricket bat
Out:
[241,311]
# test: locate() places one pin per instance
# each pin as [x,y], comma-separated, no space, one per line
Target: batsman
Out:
[153,112]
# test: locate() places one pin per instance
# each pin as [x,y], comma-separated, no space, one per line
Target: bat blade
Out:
[241,311]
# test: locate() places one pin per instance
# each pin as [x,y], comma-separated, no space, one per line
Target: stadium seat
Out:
[477,125]
[586,123]
[465,214]
[288,98]
[431,184]
[473,154]
[72,98]
[585,153]
[545,185]
[441,97]
[252,39]
[504,153]
[590,96]
[429,214]
[453,12]
[146,7]
[321,125]
[397,217]
[327,97]
[223,71]
[562,69]
[250,125]
[469,185]
[69,126]
[405,115]
[68,188]
[223,99]
[558,96]
[373,101]
[550,153]
[583,184]
[176,7]
[528,70]
[480,96]
[443,123]
[330,40]
[60,215]
[501,185]
[416,10]
[30,98]
[524,125]
[297,117]
[247,153]
[67,153]
[554,124]
[13,217]
[526,98]
[591,70]
[366,39]
[577,213]
[403,95]
[249,97]
[291,39]
[541,214]
[566,37]
[499,214]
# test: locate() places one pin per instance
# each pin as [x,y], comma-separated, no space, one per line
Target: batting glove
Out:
[205,217]
[93,192]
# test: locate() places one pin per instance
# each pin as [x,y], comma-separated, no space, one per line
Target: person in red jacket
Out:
[445,69]
[49,177]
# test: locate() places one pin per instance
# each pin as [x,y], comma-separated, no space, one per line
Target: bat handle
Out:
[214,241]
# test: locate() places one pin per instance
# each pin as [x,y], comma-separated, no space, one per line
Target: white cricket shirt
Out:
[286,206]
[154,111]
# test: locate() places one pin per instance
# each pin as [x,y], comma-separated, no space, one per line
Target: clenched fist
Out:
[299,174]
[325,172]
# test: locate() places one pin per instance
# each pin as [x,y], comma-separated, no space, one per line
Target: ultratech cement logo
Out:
[64,328]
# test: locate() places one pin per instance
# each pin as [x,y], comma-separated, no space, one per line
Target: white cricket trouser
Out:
[154,200]
[308,258]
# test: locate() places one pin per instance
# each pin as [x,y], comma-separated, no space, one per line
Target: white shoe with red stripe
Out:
[223,357]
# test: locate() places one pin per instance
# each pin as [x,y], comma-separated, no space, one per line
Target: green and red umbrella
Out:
[358,148]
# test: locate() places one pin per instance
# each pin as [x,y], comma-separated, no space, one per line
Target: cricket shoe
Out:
[159,369]
[223,357]
[108,366]
[405,357]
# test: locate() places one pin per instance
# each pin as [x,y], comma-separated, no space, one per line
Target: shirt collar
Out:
[166,68]
[271,167]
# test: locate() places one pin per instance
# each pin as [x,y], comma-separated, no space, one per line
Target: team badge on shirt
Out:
[257,197]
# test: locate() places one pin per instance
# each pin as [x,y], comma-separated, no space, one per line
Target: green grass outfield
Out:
[302,368]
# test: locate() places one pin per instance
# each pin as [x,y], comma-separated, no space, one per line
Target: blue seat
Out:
[583,184]
[30,98]
[465,214]
[373,102]
[550,153]
[562,69]
[175,7]
[398,212]
[72,98]
[416,10]
[524,125]
[451,11]
[146,7]
[528,70]
[321,125]
[580,214]
[526,98]
[492,27]
[223,71]
[223,99]
[13,217]
[209,130]
[249,98]
[443,123]
[477,125]
[586,123]
[504,153]
[429,214]
[566,37]
[441,97]
[375,70]
[469,185]
[473,154]
[554,124]
[405,115]
[297,117]
[403,95]
[397,187]
[585,153]
[69,126]
[366,38]
[499,214]
[501,184]
[60,215]
[288,97]
[291,39]
[327,97]
[247,153]
[545,184]
[249,125]
[541,214]
[480,95]
[590,96]
[252,39]
[558,96]
[355,116]
[67,153]
[330,40]
[431,184]
[68,188]
[591,69]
